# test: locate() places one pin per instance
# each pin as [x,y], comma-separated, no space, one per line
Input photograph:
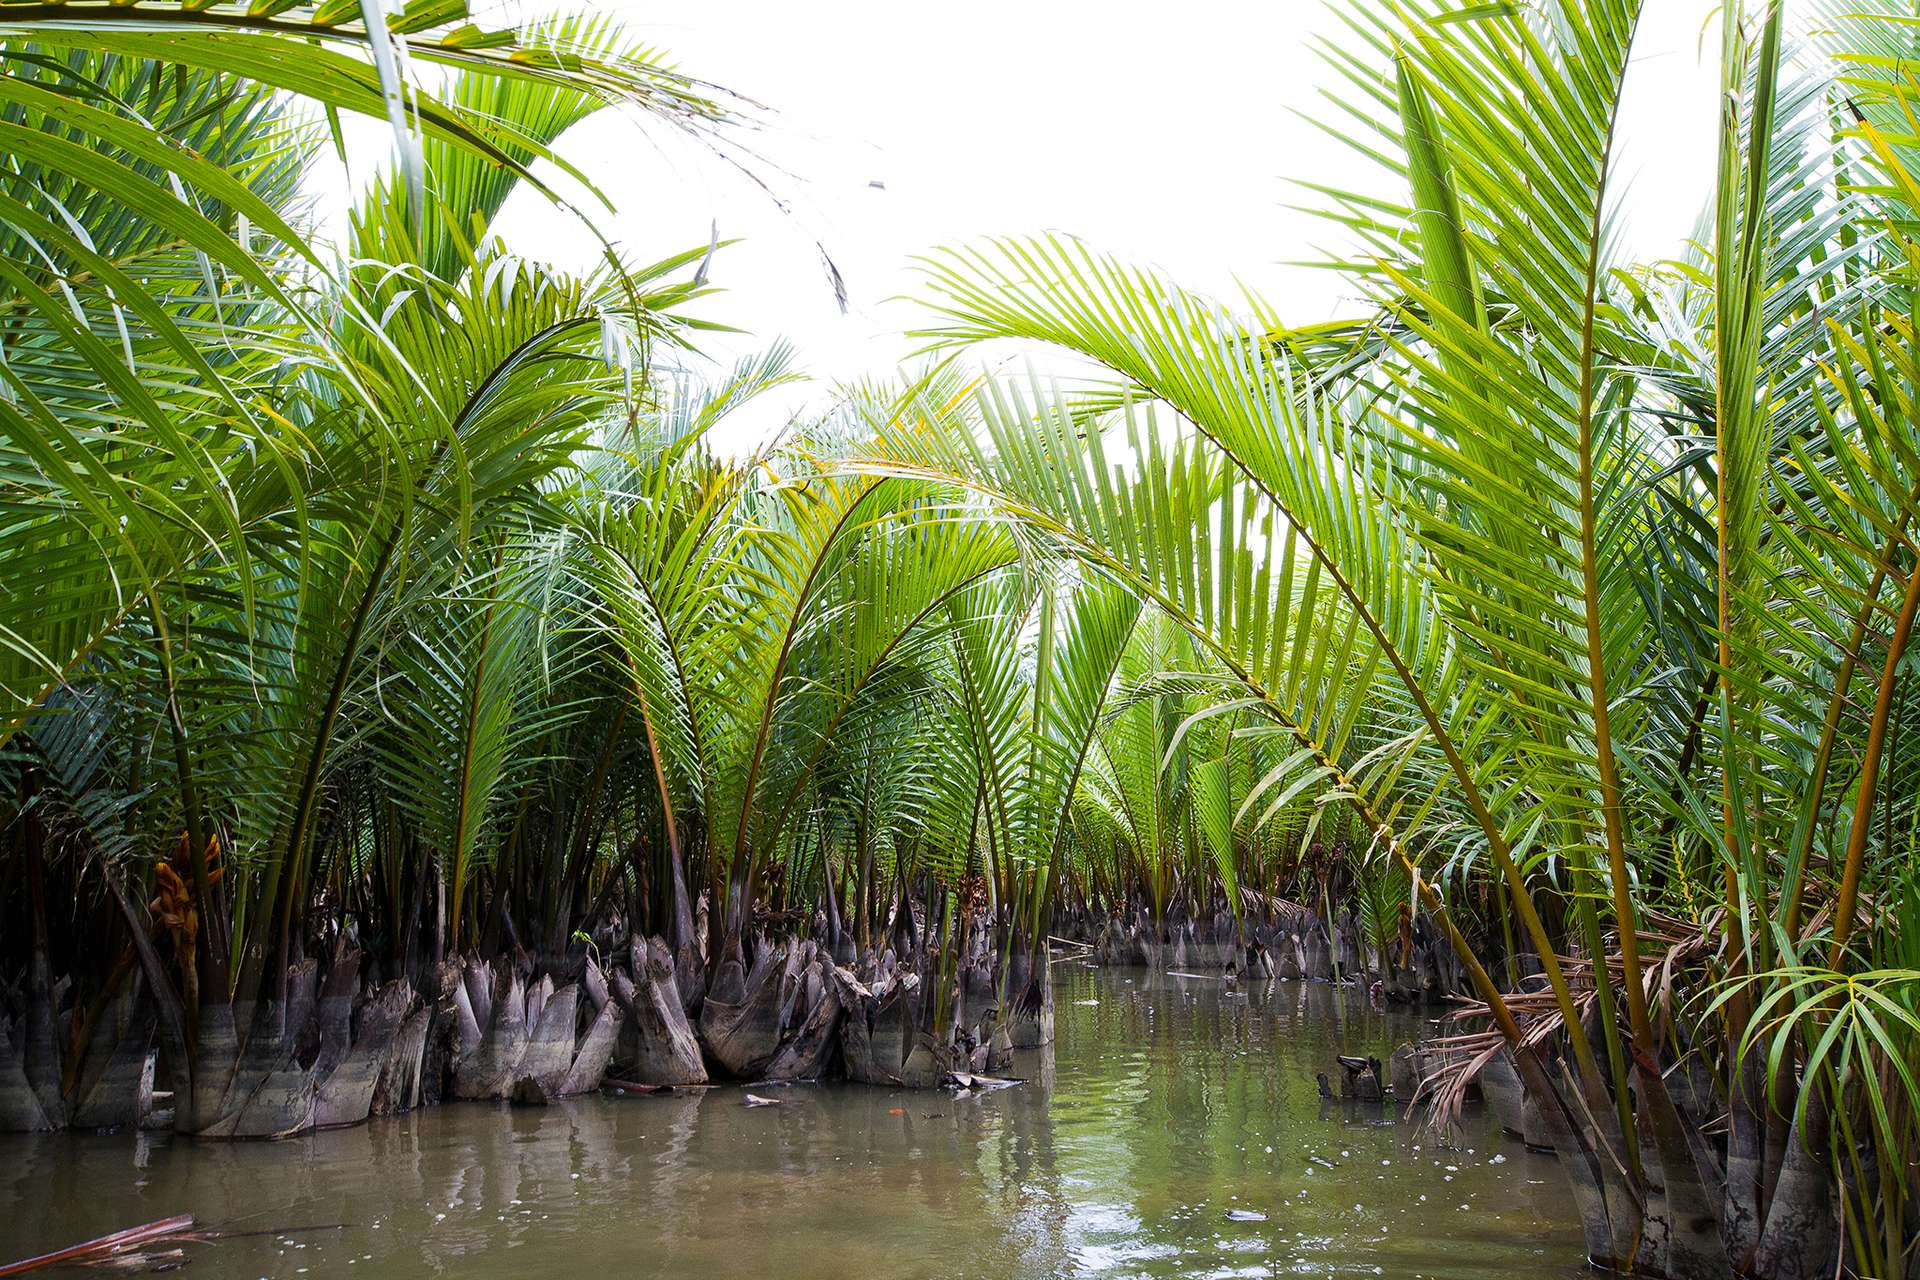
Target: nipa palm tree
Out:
[1610,586]
[261,493]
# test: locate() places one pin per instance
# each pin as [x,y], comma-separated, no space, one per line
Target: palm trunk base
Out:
[657,1045]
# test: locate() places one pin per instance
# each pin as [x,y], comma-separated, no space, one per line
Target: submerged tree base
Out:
[1273,938]
[342,1046]
[1676,1223]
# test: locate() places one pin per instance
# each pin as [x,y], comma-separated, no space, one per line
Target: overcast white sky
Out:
[1164,132]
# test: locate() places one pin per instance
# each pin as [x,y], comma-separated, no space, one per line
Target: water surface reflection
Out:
[1166,1104]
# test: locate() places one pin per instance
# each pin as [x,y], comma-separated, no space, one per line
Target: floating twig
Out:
[105,1249]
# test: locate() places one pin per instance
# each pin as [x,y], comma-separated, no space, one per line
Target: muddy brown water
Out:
[1166,1104]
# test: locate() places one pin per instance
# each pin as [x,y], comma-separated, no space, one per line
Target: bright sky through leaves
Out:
[1167,134]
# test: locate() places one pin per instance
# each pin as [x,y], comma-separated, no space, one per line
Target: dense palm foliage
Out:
[379,610]
[386,611]
[1609,585]
[283,532]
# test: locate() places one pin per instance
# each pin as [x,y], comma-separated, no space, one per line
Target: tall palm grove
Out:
[402,699]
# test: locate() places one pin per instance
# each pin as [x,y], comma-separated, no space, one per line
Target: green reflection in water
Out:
[1166,1104]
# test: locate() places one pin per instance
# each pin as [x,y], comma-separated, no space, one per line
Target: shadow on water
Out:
[1166,1104]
